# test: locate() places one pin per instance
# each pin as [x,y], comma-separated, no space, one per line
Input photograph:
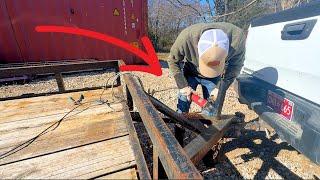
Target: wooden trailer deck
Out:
[92,141]
[51,137]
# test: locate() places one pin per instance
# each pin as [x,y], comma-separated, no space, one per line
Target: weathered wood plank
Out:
[84,162]
[77,131]
[35,125]
[89,123]
[51,100]
[125,174]
[91,141]
[14,110]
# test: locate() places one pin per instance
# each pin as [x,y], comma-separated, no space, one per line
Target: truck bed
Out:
[92,141]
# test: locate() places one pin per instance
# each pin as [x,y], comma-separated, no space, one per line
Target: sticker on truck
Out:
[280,105]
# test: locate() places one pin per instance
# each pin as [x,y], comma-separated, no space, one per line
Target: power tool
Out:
[208,106]
[212,108]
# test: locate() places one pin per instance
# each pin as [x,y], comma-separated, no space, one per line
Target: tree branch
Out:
[237,11]
[188,5]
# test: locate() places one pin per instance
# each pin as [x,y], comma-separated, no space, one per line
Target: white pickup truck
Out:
[280,79]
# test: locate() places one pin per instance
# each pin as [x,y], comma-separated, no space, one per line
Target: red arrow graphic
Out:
[150,56]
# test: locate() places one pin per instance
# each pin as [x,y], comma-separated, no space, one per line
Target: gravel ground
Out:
[252,155]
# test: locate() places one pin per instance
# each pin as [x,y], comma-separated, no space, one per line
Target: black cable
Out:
[28,142]
[57,123]
[117,75]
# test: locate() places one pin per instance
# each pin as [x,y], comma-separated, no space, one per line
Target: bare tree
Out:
[168,17]
[287,4]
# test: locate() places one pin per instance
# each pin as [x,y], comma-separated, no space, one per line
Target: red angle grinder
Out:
[208,107]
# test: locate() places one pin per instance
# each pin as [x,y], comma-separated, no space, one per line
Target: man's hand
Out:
[187,91]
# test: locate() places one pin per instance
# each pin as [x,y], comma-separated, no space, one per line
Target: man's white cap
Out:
[213,48]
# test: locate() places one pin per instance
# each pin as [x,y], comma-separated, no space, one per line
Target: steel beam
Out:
[193,125]
[218,104]
[54,67]
[60,82]
[172,156]
[129,99]
[209,136]
[30,95]
[135,144]
[155,163]
[201,145]
[58,67]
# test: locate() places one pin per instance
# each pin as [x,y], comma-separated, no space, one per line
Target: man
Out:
[202,54]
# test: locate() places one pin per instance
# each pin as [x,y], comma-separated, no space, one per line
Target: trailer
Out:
[48,136]
[89,132]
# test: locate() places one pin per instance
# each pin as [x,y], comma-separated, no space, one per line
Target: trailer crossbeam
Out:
[174,159]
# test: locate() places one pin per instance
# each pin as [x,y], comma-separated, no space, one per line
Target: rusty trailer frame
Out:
[174,159]
[178,162]
[170,158]
[56,68]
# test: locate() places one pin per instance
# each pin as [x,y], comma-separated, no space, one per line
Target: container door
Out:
[118,18]
[9,49]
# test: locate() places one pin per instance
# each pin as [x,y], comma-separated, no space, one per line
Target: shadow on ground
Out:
[266,150]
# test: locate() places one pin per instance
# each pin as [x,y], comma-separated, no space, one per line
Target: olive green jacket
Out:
[184,51]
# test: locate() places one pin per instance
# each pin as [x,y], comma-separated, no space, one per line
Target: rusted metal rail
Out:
[195,126]
[210,134]
[142,167]
[174,159]
[201,145]
[168,154]
[56,68]
[53,67]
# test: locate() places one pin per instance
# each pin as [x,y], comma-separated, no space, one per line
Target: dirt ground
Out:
[252,155]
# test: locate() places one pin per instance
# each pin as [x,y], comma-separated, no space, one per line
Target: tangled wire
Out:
[56,124]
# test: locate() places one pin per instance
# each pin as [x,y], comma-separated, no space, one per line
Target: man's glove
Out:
[186,91]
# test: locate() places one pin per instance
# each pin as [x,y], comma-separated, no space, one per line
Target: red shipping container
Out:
[19,42]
